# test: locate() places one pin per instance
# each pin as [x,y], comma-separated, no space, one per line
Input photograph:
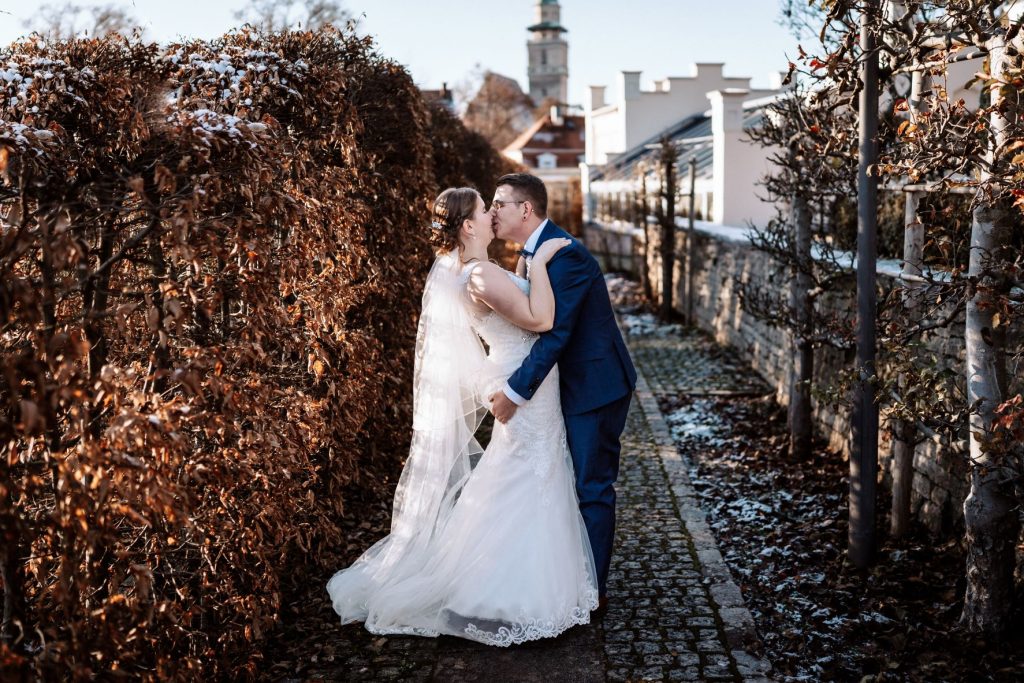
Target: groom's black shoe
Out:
[602,607]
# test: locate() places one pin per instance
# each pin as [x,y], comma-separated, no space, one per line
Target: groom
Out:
[596,374]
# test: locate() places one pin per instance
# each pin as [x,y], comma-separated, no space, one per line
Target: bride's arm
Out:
[490,284]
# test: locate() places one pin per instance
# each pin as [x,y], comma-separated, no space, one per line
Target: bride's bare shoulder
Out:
[483,274]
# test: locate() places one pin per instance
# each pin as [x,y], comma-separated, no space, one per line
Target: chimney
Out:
[596,97]
[556,115]
[733,174]
[630,84]
[708,70]
[776,78]
[727,109]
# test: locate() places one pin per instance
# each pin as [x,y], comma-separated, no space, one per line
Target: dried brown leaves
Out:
[211,256]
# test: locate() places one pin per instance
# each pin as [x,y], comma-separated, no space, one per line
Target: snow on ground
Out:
[697,420]
[647,325]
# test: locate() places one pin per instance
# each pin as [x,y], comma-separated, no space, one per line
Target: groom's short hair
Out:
[530,188]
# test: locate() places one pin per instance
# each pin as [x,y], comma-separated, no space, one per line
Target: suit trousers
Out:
[594,443]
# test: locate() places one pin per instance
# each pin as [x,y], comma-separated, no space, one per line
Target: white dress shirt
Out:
[530,246]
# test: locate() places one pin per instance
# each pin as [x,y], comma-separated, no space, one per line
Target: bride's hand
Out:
[549,249]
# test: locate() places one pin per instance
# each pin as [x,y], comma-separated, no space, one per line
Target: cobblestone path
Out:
[674,613]
[661,624]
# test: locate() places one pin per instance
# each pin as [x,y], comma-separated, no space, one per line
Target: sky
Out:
[447,40]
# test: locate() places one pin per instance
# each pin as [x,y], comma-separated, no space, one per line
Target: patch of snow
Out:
[875,617]
[697,420]
[213,122]
[647,325]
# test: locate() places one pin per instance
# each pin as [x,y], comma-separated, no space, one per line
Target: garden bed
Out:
[781,524]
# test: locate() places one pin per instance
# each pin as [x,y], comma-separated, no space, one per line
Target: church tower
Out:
[549,55]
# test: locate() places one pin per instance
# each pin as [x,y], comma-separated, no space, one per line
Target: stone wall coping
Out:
[732,234]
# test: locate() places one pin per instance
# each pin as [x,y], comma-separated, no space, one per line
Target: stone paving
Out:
[674,614]
[686,361]
[661,624]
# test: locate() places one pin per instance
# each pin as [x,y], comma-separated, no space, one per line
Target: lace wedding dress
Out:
[509,559]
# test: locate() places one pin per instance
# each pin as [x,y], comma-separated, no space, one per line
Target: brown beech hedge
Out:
[211,260]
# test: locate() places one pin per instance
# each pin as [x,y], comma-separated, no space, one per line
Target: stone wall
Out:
[722,256]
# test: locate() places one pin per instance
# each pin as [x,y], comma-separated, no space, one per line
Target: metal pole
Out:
[864,456]
[668,225]
[690,245]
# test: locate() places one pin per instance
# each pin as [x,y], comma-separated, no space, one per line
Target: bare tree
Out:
[642,211]
[69,20]
[809,135]
[950,145]
[278,15]
[665,211]
[499,110]
[803,19]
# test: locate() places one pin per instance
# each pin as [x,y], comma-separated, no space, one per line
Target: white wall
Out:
[614,127]
[739,164]
[957,76]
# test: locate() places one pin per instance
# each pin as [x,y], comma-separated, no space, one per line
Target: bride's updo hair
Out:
[451,208]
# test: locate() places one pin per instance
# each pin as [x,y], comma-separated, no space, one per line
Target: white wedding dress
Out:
[509,559]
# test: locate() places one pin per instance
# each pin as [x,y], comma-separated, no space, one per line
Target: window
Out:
[544,57]
[547,160]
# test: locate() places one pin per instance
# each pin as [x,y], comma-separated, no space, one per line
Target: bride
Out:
[488,546]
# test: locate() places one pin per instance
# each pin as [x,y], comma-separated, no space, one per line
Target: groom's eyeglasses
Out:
[498,203]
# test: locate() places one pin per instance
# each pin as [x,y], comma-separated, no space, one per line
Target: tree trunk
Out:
[799,417]
[161,360]
[864,454]
[668,235]
[990,515]
[905,432]
[14,624]
[95,299]
[645,273]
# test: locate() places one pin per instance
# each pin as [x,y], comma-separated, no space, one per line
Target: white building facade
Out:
[706,114]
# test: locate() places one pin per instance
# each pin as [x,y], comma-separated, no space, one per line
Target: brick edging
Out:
[737,622]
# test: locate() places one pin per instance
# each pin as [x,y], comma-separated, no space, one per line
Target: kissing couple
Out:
[513,542]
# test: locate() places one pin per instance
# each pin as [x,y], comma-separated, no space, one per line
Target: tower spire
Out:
[548,53]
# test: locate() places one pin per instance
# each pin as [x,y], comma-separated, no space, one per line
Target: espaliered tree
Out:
[979,147]
[665,213]
[945,145]
[641,211]
[812,166]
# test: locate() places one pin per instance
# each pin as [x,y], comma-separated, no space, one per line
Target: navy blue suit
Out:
[597,379]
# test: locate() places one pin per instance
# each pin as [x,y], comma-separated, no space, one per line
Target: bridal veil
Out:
[447,410]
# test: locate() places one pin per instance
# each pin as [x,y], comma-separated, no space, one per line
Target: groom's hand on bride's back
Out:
[502,407]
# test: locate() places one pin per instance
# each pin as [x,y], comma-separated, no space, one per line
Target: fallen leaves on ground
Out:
[781,524]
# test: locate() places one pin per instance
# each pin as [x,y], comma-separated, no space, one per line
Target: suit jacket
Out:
[593,364]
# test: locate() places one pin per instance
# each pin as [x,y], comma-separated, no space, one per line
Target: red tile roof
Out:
[565,137]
